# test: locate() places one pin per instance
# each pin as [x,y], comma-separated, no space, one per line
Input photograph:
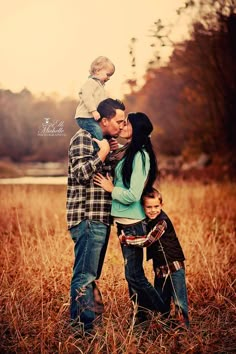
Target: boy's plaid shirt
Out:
[84,199]
[146,240]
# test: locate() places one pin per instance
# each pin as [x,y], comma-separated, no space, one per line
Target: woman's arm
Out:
[137,182]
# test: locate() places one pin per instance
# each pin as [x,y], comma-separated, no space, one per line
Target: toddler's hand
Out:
[96,115]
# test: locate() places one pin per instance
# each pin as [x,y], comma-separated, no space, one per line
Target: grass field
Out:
[36,265]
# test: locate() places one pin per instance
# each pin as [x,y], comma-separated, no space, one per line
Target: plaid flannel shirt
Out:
[84,199]
[167,269]
[146,240]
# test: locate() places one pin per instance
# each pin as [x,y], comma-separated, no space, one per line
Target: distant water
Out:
[34,180]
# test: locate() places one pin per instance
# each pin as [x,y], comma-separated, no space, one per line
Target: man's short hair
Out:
[107,108]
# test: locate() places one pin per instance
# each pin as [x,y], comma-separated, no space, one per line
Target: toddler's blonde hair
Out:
[100,63]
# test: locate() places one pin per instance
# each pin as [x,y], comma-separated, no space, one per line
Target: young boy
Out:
[91,94]
[165,251]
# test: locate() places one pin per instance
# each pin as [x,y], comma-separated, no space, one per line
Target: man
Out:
[88,212]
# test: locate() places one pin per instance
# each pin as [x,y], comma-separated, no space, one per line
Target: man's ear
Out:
[104,121]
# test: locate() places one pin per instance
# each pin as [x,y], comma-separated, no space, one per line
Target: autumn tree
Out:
[22,115]
[208,99]
[192,98]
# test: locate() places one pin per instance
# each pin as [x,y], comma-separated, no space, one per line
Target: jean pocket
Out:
[137,229]
[74,232]
[97,228]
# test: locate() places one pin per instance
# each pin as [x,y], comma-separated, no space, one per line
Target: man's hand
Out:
[104,148]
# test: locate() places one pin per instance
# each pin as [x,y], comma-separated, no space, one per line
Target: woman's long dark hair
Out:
[142,128]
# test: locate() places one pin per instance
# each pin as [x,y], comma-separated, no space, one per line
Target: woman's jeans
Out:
[91,239]
[174,286]
[91,126]
[140,289]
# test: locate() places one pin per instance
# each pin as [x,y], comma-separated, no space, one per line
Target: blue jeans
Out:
[174,286]
[140,288]
[91,239]
[91,126]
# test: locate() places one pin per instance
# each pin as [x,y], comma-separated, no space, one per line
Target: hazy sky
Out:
[48,45]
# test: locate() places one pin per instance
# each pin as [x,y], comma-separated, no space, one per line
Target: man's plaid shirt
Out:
[84,199]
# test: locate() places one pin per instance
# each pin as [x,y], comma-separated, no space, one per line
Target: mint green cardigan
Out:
[126,201]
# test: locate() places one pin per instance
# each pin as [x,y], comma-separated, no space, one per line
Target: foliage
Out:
[192,99]
[22,116]
[36,262]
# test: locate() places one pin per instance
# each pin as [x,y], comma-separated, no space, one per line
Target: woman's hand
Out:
[104,182]
[113,144]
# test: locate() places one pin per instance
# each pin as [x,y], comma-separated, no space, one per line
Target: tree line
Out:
[26,123]
[191,99]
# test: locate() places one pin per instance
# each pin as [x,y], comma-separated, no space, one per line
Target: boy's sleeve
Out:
[156,233]
[147,240]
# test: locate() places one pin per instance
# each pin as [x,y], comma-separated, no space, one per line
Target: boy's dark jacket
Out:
[168,241]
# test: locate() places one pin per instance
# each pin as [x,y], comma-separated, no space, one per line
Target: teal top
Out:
[126,201]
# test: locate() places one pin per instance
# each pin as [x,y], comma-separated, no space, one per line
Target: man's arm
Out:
[84,161]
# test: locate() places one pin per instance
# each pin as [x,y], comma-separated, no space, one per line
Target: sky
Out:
[48,45]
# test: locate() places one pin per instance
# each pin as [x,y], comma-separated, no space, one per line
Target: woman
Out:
[134,173]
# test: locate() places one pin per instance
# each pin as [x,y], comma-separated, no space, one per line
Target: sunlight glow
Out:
[47,46]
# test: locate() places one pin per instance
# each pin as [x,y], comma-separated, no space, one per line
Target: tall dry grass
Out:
[36,264]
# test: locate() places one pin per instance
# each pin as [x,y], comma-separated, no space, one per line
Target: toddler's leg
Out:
[91,126]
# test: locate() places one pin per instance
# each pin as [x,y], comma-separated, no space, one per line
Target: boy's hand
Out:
[122,238]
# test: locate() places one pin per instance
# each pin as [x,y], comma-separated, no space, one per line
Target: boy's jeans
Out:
[174,286]
[91,238]
[139,287]
[91,126]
